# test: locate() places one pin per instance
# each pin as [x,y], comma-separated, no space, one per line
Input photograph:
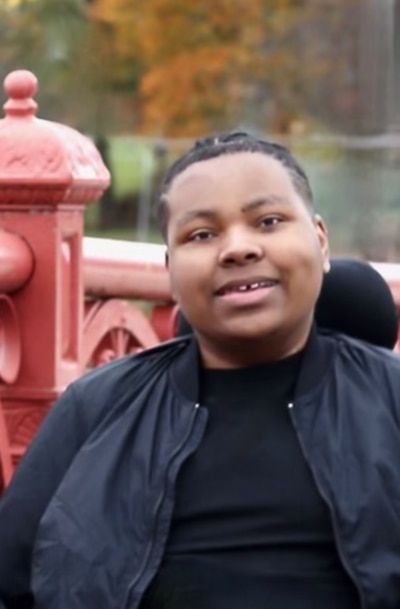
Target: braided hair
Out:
[230,143]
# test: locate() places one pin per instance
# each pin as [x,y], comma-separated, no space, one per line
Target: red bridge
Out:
[67,303]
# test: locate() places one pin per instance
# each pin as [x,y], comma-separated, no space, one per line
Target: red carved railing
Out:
[63,299]
[67,303]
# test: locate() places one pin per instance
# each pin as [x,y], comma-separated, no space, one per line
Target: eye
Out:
[201,235]
[271,221]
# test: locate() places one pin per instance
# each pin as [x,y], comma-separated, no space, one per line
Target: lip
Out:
[247,300]
[228,288]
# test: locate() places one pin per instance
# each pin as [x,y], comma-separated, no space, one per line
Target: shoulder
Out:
[375,370]
[367,379]
[123,378]
[365,354]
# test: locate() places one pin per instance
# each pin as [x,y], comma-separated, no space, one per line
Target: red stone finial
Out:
[20,87]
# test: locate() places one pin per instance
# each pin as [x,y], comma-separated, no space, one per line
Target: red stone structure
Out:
[63,299]
[67,303]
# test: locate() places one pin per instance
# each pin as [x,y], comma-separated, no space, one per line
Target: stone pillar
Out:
[49,173]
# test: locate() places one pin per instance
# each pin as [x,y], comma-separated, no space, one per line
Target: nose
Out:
[240,249]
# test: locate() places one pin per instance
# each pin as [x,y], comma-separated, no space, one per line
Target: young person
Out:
[255,464]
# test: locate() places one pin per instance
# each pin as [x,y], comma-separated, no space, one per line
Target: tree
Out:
[208,64]
[41,35]
[180,68]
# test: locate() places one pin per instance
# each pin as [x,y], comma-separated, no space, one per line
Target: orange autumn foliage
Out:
[200,65]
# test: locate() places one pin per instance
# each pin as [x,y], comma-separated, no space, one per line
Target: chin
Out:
[252,333]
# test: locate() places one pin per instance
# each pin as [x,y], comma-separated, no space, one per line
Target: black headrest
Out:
[354,300]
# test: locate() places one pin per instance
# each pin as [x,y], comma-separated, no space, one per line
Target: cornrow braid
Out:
[230,143]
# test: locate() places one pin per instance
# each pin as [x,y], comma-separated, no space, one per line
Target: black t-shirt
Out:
[250,530]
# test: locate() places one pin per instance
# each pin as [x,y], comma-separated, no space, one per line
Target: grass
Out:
[132,163]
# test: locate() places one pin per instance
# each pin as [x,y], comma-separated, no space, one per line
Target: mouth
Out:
[246,285]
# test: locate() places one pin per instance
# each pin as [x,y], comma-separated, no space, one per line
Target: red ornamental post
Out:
[49,173]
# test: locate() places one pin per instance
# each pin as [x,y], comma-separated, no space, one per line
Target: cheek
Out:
[308,280]
[187,276]
[302,267]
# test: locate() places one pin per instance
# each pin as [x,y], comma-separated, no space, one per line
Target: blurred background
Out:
[142,78]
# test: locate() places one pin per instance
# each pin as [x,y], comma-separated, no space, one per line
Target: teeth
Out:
[250,286]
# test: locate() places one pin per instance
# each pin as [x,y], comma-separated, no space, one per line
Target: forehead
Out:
[230,177]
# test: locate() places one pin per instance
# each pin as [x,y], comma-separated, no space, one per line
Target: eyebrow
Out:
[209,214]
[195,214]
[267,200]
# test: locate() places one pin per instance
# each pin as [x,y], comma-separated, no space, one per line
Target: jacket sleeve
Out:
[30,491]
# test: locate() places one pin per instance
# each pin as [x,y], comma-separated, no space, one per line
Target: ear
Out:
[322,235]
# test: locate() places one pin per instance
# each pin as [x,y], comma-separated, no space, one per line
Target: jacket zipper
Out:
[156,511]
[338,540]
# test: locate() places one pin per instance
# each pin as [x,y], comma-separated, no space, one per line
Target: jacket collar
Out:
[318,354]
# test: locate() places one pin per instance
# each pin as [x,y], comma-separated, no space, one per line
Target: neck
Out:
[242,353]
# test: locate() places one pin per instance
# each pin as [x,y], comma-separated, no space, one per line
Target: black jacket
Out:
[87,514]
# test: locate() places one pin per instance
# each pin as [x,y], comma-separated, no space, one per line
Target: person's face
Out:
[245,255]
